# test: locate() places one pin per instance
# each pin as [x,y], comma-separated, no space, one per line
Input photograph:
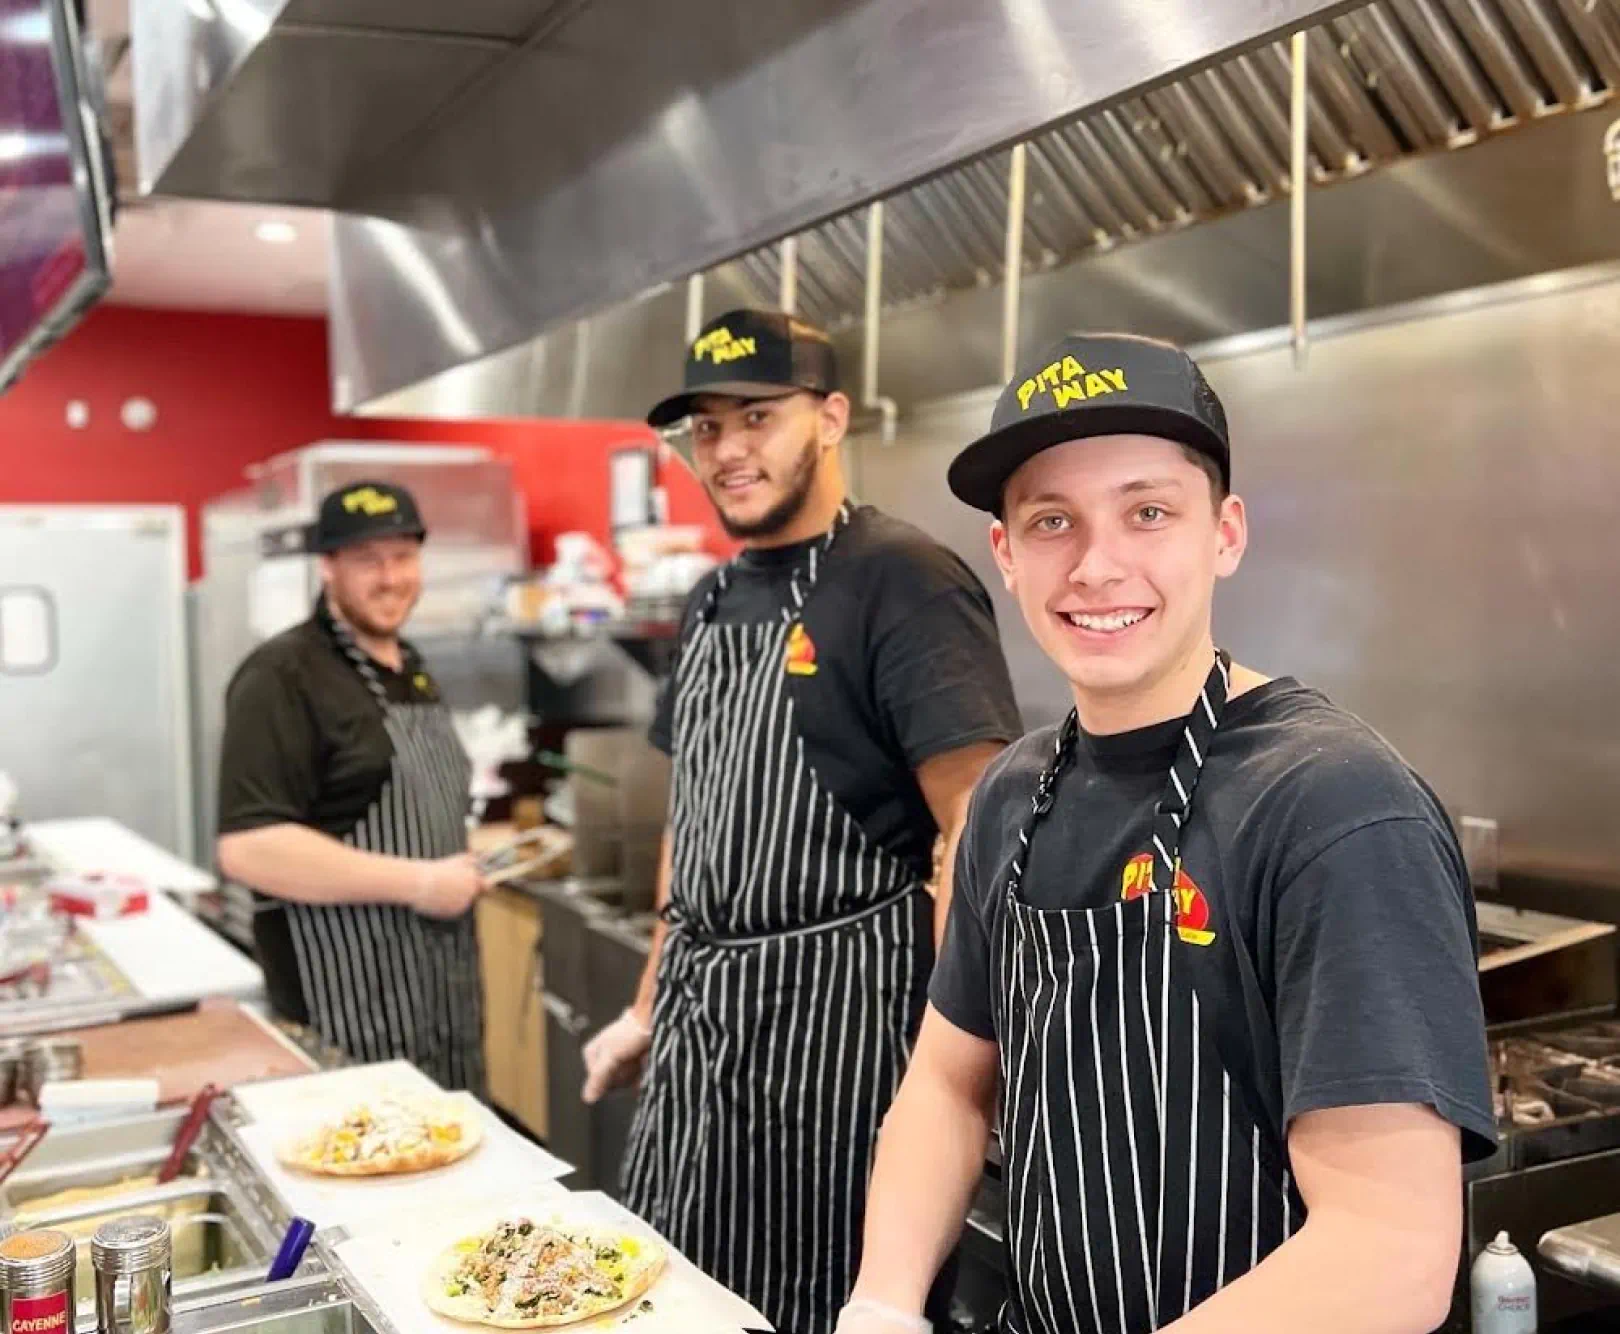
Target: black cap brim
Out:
[677,406]
[334,544]
[978,476]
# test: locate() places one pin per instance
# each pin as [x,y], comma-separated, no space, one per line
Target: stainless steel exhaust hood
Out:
[521,193]
[1112,195]
[520,164]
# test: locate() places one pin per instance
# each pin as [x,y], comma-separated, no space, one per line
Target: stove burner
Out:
[1558,1092]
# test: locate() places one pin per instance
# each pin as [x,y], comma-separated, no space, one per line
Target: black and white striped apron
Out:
[789,991]
[383,982]
[1138,1178]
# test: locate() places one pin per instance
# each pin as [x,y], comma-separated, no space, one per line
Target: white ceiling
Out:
[197,254]
[206,256]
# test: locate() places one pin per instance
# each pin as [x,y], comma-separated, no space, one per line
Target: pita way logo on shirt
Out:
[800,658]
[1192,908]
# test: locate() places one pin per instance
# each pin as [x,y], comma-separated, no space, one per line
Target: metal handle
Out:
[984,1225]
[1299,108]
[1579,1260]
[1014,262]
[565,1014]
[196,1118]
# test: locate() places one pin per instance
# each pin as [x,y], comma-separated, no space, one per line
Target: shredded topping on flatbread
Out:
[387,1127]
[524,1270]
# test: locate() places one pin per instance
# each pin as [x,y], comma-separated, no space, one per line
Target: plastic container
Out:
[74,1102]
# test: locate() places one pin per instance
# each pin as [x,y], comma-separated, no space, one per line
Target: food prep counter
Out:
[225,1226]
[375,1236]
[59,971]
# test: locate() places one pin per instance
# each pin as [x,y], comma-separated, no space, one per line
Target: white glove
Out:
[865,1316]
[613,1057]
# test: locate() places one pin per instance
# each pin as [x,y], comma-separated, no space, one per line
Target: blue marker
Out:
[293,1245]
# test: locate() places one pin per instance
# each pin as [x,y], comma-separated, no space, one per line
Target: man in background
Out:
[343,797]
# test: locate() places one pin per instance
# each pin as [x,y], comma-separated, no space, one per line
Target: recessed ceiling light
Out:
[273,232]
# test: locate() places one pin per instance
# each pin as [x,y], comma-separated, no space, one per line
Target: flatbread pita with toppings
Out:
[524,1274]
[388,1135]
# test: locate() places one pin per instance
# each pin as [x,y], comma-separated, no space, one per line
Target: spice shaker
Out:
[37,1292]
[132,1259]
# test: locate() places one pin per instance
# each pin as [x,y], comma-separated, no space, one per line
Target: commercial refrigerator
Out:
[95,716]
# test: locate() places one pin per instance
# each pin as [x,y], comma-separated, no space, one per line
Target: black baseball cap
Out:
[752,354]
[361,511]
[1088,385]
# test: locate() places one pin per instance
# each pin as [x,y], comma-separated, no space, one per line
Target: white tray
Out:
[387,1258]
[503,1160]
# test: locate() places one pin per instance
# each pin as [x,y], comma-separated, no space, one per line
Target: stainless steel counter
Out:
[1588,1253]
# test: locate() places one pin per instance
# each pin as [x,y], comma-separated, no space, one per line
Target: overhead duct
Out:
[537,161]
[1388,82]
[1503,198]
[1112,196]
[1517,206]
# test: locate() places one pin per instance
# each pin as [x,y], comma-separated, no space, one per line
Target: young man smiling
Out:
[839,689]
[1211,936]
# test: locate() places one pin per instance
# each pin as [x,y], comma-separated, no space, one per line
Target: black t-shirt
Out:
[1344,960]
[304,744]
[908,666]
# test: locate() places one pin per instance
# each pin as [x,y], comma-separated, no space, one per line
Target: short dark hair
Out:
[1211,470]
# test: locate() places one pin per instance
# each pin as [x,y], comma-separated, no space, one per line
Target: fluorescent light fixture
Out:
[272,231]
[26,29]
[21,145]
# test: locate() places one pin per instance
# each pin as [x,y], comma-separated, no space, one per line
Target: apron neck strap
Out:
[805,573]
[358,658]
[1175,804]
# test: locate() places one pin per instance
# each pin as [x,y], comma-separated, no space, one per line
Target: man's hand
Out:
[613,1058]
[447,887]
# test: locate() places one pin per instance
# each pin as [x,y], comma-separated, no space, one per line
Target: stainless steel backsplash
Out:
[1433,506]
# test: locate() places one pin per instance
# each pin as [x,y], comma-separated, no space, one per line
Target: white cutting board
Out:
[168,955]
[388,1257]
[288,1107]
[95,843]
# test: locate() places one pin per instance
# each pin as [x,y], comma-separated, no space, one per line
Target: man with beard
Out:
[839,688]
[343,795]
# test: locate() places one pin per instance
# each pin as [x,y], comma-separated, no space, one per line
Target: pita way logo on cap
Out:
[370,501]
[751,354]
[1089,385]
[363,510]
[720,347]
[1067,381]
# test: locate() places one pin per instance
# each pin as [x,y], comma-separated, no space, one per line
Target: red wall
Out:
[231,390]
